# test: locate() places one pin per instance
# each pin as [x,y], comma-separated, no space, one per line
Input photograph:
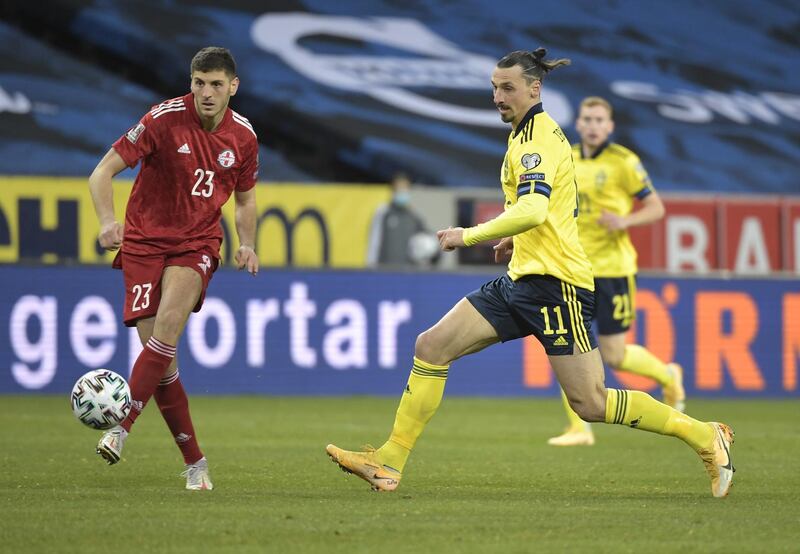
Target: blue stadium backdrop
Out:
[705,92]
[340,332]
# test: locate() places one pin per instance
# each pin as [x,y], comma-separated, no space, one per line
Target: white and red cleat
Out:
[111,443]
[197,478]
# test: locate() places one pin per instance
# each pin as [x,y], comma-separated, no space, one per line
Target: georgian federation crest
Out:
[226,158]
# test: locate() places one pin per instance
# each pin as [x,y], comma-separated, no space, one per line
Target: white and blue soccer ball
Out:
[101,399]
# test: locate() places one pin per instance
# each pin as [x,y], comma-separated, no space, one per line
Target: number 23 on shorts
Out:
[141,296]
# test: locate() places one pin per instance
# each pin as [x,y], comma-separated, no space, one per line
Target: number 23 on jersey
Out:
[204,183]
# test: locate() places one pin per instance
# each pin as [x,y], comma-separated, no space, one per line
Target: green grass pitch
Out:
[482,479]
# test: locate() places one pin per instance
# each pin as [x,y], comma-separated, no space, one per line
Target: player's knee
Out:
[427,349]
[169,324]
[589,405]
[614,358]
[583,407]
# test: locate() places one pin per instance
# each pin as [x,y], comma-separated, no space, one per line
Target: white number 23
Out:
[141,298]
[208,185]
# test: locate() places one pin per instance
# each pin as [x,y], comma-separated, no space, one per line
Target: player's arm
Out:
[529,211]
[533,198]
[638,184]
[102,192]
[503,250]
[652,210]
[246,257]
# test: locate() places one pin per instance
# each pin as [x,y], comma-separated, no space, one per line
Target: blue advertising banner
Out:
[340,332]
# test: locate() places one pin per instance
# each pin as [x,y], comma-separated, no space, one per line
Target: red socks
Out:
[174,406]
[146,381]
[148,370]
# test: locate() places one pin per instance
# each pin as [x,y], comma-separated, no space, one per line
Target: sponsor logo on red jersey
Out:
[226,158]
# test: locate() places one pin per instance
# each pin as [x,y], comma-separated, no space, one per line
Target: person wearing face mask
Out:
[398,236]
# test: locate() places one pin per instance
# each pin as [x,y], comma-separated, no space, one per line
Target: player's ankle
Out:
[393,454]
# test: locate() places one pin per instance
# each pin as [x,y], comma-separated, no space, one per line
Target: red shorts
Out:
[142,276]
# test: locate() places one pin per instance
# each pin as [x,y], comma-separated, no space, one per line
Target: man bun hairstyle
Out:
[214,58]
[534,66]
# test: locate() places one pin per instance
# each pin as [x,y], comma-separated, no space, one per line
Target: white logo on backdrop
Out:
[705,105]
[15,102]
[18,103]
[441,64]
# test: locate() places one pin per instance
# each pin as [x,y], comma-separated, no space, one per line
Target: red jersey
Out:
[187,174]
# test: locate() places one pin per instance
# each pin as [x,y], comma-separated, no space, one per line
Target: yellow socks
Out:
[420,400]
[640,410]
[575,422]
[639,360]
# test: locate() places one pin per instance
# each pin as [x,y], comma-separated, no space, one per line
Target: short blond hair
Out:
[591,101]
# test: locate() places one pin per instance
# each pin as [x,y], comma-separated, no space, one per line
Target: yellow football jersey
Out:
[608,181]
[539,161]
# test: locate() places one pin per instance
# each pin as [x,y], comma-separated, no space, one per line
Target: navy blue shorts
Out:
[558,314]
[615,298]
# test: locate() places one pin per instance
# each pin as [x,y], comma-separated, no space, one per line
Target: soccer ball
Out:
[422,247]
[101,399]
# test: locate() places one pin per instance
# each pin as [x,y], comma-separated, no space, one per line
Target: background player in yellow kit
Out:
[547,292]
[609,177]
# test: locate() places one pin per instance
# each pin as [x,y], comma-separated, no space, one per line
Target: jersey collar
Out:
[537,108]
[596,152]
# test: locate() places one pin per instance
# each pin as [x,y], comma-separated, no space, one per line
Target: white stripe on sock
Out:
[160,348]
[169,380]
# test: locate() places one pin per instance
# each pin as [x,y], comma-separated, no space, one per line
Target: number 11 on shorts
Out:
[549,330]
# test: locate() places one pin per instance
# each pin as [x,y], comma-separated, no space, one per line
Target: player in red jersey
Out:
[195,152]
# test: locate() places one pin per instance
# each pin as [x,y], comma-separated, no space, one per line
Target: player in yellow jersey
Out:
[609,177]
[547,292]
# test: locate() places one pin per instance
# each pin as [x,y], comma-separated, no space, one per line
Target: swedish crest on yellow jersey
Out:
[608,181]
[539,161]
